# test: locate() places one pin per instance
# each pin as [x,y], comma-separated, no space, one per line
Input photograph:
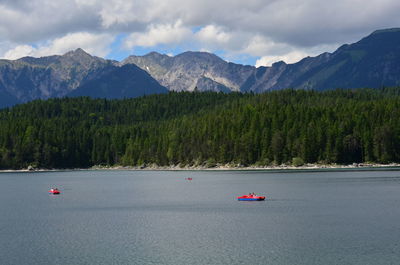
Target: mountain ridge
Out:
[30,78]
[373,61]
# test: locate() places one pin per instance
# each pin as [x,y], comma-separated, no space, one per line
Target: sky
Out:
[254,32]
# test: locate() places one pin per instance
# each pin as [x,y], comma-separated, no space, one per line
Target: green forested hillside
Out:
[340,126]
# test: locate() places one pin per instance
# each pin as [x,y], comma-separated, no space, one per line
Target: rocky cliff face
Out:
[54,76]
[191,70]
[31,78]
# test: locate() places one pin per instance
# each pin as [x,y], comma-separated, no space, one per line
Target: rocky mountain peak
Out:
[380,39]
[155,55]
[80,57]
[204,57]
[188,70]
[391,30]
[77,53]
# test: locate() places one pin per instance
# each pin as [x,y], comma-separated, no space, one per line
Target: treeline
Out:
[289,126]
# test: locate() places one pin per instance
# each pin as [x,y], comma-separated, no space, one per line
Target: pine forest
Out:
[204,129]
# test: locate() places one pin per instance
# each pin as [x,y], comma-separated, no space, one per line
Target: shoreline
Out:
[306,167]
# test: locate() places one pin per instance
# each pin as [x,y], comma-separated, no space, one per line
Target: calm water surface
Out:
[151,217]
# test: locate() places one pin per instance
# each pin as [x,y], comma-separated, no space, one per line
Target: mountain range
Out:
[374,61]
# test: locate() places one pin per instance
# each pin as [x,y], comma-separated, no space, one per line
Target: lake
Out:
[159,217]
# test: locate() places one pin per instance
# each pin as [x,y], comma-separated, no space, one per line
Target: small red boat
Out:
[54,191]
[251,197]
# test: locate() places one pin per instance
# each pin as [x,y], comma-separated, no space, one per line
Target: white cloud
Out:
[116,12]
[259,45]
[86,2]
[291,57]
[41,20]
[159,34]
[19,51]
[212,34]
[308,22]
[251,28]
[94,44]
[290,54]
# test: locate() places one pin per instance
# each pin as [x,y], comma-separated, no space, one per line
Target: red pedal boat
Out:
[54,191]
[251,197]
